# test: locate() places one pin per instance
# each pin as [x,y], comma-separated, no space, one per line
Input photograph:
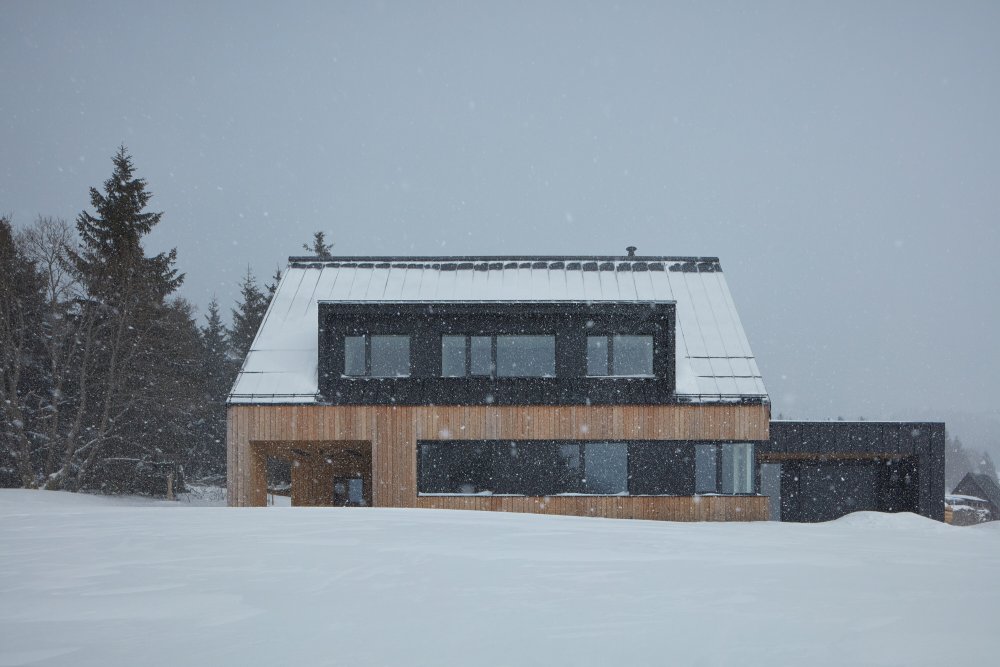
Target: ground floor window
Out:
[553,467]
[725,467]
[605,468]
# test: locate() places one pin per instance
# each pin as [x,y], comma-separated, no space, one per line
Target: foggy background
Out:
[842,159]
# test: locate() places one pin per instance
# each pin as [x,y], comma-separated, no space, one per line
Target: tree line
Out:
[109,382]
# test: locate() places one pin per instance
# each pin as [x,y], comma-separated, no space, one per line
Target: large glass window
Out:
[706,469]
[737,468]
[482,355]
[632,355]
[726,468]
[526,356]
[355,356]
[377,356]
[552,467]
[452,356]
[500,356]
[620,355]
[390,356]
[597,355]
[606,468]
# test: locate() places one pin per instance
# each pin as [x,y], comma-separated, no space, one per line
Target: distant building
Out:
[977,495]
[617,386]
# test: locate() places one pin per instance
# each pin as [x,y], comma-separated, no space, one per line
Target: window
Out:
[498,356]
[377,356]
[355,357]
[726,468]
[706,469]
[513,467]
[597,355]
[482,355]
[452,356]
[526,356]
[553,467]
[632,355]
[737,467]
[605,468]
[620,356]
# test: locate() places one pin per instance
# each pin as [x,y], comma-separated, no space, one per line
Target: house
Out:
[962,510]
[980,494]
[617,386]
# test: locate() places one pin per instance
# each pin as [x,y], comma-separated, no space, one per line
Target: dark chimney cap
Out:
[631,250]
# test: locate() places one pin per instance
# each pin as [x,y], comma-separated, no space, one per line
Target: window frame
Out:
[640,481]
[609,349]
[367,338]
[493,375]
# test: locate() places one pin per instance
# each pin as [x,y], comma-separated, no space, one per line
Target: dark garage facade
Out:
[818,471]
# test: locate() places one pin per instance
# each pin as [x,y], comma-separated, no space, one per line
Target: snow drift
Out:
[93,581]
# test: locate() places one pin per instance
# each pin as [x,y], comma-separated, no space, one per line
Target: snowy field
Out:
[97,581]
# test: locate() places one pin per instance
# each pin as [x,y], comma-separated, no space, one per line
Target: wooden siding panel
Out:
[661,508]
[393,431]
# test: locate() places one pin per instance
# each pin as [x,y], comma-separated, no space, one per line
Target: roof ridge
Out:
[343,259]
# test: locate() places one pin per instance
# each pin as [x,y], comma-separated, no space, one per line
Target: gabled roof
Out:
[978,484]
[714,360]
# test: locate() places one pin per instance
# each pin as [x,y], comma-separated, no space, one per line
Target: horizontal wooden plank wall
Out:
[393,432]
[663,508]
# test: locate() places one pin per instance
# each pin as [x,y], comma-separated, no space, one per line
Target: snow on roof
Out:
[955,498]
[714,360]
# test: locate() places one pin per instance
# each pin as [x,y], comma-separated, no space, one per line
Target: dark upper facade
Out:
[466,352]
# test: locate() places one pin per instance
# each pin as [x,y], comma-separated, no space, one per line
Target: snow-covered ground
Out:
[96,581]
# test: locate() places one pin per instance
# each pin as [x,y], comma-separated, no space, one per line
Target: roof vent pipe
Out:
[631,250]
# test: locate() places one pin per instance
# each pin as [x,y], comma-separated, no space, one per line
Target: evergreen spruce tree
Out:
[132,341]
[247,316]
[272,287]
[320,248]
[214,334]
[111,261]
[23,372]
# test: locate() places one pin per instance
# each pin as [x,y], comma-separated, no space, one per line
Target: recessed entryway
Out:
[323,474]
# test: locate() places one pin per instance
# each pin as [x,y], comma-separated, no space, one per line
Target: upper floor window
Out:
[377,356]
[620,355]
[498,356]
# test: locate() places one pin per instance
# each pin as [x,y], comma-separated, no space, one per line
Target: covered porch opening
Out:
[809,488]
[323,474]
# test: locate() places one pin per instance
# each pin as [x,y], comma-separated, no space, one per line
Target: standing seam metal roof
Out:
[714,360]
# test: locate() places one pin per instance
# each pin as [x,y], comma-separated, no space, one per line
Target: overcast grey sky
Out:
[842,159]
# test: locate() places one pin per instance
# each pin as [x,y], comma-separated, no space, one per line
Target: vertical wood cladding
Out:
[393,432]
